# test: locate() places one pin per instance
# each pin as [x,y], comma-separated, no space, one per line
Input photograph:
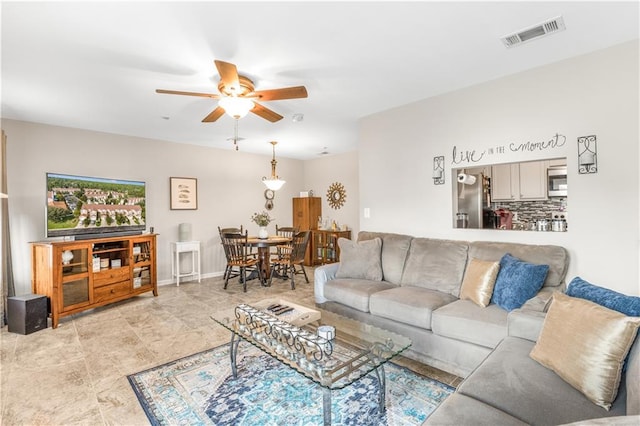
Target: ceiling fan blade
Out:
[266,113]
[214,115]
[177,92]
[284,93]
[228,75]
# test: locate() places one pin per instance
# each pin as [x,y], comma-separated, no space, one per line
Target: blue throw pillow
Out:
[628,305]
[517,282]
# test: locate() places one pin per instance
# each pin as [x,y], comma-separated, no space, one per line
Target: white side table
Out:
[178,247]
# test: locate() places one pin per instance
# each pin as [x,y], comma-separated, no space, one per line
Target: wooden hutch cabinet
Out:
[85,274]
[306,211]
[324,245]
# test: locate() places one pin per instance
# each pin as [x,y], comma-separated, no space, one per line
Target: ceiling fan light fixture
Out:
[274,182]
[236,107]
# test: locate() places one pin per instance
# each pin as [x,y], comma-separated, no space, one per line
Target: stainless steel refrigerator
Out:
[474,200]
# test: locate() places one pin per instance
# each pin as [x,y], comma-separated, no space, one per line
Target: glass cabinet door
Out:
[75,292]
[141,264]
[75,276]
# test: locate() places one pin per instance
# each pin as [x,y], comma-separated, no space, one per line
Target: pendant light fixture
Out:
[274,182]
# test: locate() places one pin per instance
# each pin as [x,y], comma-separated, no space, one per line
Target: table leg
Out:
[233,352]
[199,266]
[382,380]
[326,406]
[263,255]
[177,268]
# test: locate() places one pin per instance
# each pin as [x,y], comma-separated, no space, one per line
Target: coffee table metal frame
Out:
[357,350]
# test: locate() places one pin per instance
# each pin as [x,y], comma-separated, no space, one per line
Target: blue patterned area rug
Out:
[199,390]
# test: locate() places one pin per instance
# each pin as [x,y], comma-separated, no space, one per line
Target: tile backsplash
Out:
[530,211]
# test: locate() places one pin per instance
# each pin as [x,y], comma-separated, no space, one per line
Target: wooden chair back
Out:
[230,230]
[299,247]
[286,231]
[235,248]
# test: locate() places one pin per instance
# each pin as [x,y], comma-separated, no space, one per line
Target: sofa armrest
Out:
[539,302]
[525,323]
[321,275]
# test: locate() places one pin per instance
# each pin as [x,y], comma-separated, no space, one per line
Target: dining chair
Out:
[284,231]
[292,256]
[237,251]
[221,231]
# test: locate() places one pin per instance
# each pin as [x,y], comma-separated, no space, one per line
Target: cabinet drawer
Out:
[187,246]
[111,291]
[110,276]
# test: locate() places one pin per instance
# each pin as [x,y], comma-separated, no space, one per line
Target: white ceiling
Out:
[96,65]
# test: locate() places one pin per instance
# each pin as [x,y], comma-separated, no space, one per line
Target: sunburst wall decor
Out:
[336,195]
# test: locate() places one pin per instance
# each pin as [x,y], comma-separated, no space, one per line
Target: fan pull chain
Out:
[235,134]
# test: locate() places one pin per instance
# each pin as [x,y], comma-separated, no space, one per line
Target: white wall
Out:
[229,186]
[390,174]
[320,173]
[595,94]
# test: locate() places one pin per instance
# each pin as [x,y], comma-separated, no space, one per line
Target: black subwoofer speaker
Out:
[27,314]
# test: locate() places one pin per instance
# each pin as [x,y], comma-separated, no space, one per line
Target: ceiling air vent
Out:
[545,28]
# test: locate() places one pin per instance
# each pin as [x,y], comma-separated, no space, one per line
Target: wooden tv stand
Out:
[85,274]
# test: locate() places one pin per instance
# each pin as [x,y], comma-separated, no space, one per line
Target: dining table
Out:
[264,253]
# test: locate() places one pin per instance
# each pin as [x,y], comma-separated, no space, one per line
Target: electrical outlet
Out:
[559,215]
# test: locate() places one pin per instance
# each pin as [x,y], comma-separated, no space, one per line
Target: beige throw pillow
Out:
[479,279]
[361,260]
[586,344]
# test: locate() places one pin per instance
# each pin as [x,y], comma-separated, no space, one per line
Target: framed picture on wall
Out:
[184,193]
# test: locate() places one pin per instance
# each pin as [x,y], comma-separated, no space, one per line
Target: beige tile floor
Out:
[77,373]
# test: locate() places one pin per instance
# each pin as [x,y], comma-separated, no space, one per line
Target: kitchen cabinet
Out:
[81,275]
[503,178]
[519,182]
[533,180]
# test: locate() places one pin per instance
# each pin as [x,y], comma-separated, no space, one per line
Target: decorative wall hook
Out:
[438,170]
[587,155]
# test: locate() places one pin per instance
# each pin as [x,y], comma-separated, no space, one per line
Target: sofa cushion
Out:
[555,256]
[459,410]
[479,280]
[509,380]
[394,253]
[517,282]
[586,344]
[354,292]
[628,305]
[436,265]
[409,305]
[360,259]
[525,324]
[466,321]
[608,421]
[632,382]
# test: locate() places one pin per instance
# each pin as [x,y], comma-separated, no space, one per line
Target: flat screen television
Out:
[89,207]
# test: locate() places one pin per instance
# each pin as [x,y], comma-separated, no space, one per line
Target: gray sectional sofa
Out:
[510,388]
[418,296]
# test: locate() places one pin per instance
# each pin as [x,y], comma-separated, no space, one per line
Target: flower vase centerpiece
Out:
[262,220]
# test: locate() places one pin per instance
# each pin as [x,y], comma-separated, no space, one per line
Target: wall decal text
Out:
[460,156]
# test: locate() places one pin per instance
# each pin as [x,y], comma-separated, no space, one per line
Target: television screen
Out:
[86,206]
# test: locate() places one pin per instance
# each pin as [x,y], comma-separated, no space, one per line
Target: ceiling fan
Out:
[238,95]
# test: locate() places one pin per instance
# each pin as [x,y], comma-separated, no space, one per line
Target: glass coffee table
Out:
[331,350]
